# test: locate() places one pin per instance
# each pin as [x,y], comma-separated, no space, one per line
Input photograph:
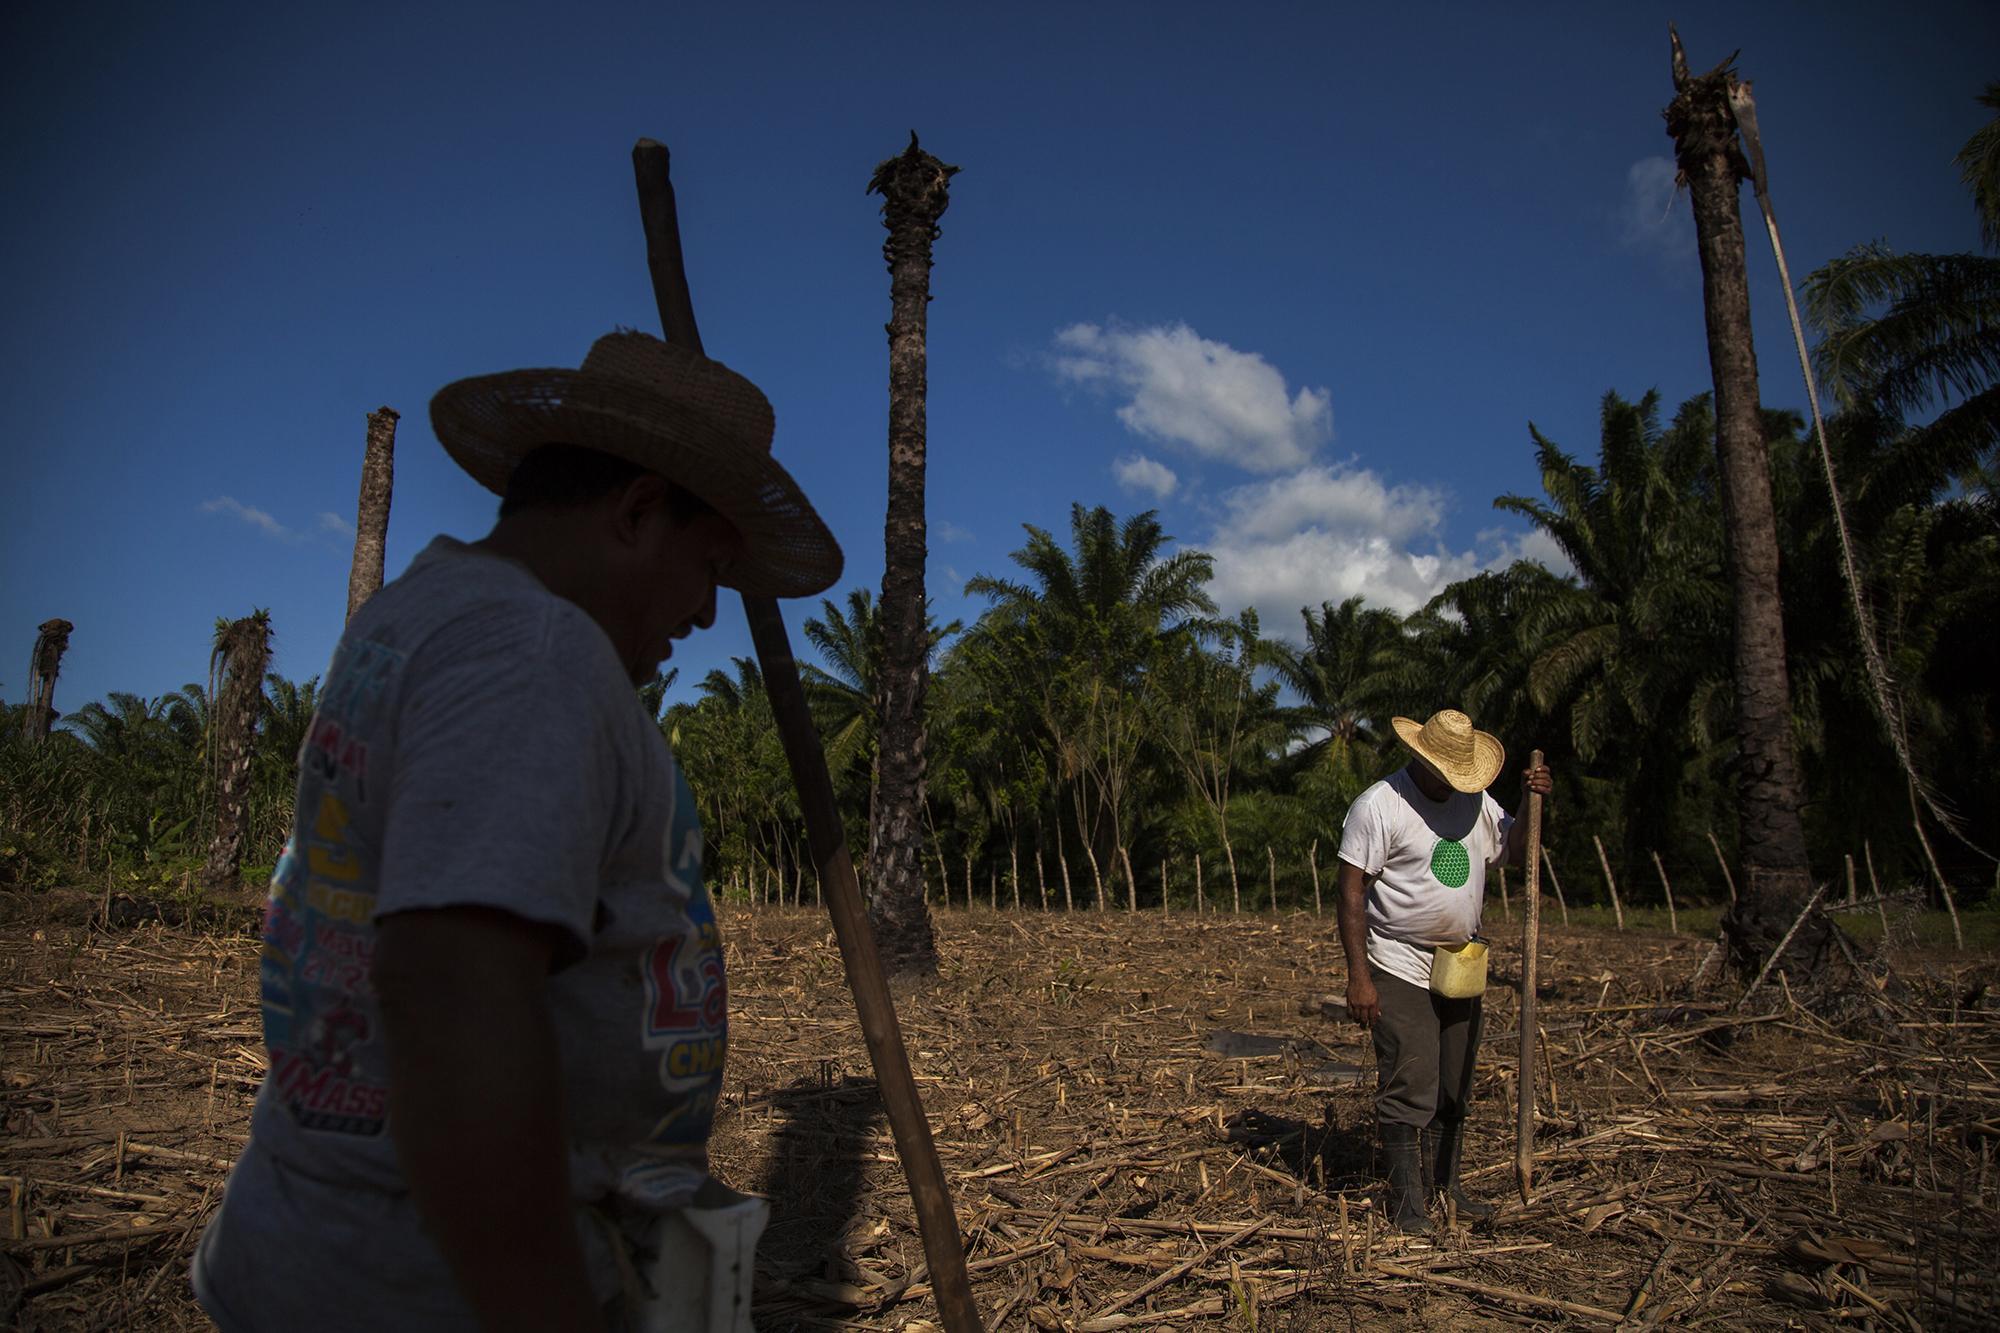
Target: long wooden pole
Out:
[1531,941]
[943,1247]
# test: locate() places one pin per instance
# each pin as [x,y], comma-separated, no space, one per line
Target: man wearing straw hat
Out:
[493,988]
[1414,851]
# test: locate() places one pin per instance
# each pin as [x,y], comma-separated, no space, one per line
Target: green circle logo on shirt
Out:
[1450,863]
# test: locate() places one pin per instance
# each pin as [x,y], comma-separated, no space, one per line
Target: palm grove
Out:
[1101,736]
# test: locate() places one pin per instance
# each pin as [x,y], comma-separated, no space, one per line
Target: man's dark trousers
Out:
[1425,1048]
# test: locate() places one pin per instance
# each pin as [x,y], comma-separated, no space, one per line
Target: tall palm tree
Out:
[241,656]
[727,743]
[288,712]
[44,665]
[371,520]
[1771,835]
[653,694]
[846,692]
[128,730]
[1081,639]
[1906,337]
[1918,335]
[915,190]
[1344,647]
[1629,657]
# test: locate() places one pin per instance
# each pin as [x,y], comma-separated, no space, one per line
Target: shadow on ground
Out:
[1341,1155]
[815,1175]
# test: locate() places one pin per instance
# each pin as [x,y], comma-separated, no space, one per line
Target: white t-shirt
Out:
[477,743]
[1426,866]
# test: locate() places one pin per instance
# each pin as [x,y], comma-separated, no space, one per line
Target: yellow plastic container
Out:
[1458,972]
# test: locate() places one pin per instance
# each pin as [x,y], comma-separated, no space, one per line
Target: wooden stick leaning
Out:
[943,1247]
[1531,941]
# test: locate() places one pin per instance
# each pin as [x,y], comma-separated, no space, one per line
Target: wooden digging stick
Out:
[943,1247]
[1531,940]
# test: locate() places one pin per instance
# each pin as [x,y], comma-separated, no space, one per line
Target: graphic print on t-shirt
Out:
[1451,863]
[327,1065]
[686,989]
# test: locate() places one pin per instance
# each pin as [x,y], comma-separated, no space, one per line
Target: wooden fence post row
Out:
[762,883]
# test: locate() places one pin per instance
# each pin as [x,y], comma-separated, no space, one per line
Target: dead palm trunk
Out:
[914,189]
[44,665]
[242,652]
[1771,836]
[371,518]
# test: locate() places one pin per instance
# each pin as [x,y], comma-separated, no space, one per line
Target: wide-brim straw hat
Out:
[1468,759]
[669,410]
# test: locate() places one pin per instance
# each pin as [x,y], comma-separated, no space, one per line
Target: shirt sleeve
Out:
[1499,821]
[504,784]
[1363,844]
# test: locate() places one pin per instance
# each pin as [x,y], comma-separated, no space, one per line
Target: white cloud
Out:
[1136,472]
[1534,544]
[945,530]
[325,524]
[1332,497]
[1199,394]
[1324,534]
[1316,565]
[1650,216]
[256,518]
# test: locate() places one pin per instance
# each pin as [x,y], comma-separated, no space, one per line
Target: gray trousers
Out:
[1425,1046]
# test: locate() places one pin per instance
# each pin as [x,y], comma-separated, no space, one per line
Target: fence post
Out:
[1673,920]
[1200,904]
[1917,823]
[1875,887]
[1548,862]
[1610,883]
[1272,857]
[1723,861]
[1163,886]
[1312,861]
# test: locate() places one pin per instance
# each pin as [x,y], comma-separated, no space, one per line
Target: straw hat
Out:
[1468,759]
[670,410]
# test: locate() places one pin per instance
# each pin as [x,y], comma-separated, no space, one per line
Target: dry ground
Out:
[1775,1167]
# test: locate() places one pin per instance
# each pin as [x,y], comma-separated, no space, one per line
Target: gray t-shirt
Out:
[477,743]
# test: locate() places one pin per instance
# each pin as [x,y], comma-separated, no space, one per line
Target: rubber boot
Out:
[1442,1143]
[1401,1155]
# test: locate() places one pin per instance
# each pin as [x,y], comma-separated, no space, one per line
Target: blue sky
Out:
[1297,276]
